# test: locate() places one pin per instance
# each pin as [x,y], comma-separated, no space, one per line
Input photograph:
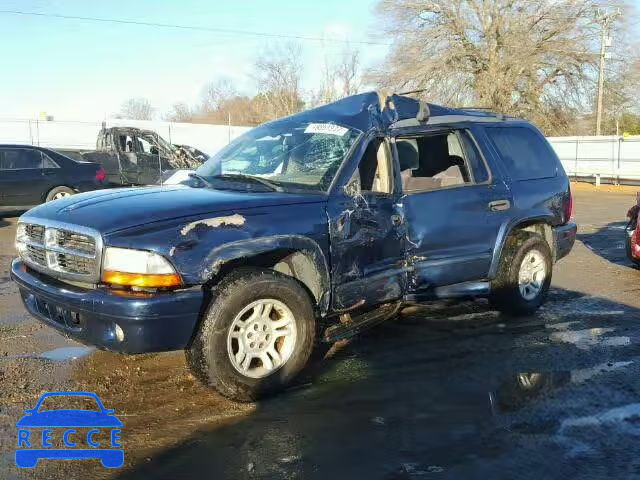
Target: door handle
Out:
[396,219]
[499,205]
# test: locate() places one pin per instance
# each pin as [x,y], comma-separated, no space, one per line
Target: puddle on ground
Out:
[66,353]
[589,338]
[519,390]
[619,415]
[62,354]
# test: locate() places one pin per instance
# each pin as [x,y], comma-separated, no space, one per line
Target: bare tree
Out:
[180,112]
[517,56]
[138,108]
[217,92]
[338,79]
[348,72]
[278,74]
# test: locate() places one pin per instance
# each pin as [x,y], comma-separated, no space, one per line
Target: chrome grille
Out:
[74,241]
[37,255]
[35,233]
[60,250]
[72,263]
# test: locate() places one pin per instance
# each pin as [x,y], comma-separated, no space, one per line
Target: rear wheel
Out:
[58,193]
[256,335]
[524,274]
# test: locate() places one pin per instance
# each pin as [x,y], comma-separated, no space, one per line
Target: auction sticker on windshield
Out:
[326,128]
[69,425]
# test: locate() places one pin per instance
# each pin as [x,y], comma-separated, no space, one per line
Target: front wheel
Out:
[524,274]
[256,335]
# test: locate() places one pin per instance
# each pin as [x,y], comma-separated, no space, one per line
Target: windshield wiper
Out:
[201,178]
[273,186]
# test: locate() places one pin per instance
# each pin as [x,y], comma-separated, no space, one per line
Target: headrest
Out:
[407,155]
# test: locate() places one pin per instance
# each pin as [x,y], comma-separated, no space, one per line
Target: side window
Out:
[432,162]
[374,170]
[47,162]
[143,145]
[125,142]
[526,154]
[21,158]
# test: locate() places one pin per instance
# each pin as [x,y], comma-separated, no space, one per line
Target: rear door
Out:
[453,206]
[22,179]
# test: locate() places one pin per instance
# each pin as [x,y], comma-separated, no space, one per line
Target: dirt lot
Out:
[442,391]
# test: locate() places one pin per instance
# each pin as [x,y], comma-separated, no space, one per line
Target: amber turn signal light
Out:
[168,280]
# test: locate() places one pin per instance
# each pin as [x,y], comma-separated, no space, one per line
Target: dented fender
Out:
[199,247]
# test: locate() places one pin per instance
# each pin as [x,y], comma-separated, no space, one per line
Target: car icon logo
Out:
[80,433]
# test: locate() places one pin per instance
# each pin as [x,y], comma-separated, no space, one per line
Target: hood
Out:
[111,210]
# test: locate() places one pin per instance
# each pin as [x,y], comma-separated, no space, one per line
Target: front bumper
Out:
[120,322]
[563,239]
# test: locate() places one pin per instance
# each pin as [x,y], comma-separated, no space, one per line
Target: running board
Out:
[353,326]
[457,290]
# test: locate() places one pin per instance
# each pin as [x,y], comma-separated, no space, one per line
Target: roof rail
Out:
[485,110]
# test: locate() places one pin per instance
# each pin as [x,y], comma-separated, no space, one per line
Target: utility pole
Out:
[605,18]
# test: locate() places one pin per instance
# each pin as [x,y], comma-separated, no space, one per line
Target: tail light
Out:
[569,207]
[101,175]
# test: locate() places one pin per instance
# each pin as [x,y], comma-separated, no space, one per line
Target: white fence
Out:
[612,159]
[83,135]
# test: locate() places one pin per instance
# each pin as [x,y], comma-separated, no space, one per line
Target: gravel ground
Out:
[443,391]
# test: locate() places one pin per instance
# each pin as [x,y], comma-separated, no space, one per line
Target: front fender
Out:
[243,249]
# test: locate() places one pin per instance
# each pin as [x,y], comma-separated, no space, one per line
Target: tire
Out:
[59,192]
[507,295]
[210,354]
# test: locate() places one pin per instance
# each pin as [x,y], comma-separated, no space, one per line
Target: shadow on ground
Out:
[608,242]
[457,391]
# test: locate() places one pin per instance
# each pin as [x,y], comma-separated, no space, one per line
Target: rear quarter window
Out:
[524,152]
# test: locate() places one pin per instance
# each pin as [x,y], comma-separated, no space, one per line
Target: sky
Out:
[84,70]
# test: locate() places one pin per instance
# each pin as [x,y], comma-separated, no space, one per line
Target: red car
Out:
[632,237]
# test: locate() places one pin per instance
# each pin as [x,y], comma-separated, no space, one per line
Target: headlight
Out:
[21,237]
[138,268]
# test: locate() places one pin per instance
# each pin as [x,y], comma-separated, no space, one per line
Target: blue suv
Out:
[346,212]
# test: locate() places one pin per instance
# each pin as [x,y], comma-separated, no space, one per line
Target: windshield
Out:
[287,153]
[155,139]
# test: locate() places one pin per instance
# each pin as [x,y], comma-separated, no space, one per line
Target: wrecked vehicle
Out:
[131,156]
[632,233]
[337,216]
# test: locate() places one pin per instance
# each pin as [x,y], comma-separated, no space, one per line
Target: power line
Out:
[191,27]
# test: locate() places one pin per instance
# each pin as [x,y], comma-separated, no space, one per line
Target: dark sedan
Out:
[32,175]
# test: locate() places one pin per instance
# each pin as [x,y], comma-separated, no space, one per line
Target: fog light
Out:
[119,332]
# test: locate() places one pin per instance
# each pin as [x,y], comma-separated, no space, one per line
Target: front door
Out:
[366,234]
[452,207]
[22,179]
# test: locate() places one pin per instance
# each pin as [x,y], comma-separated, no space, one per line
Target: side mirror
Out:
[154,151]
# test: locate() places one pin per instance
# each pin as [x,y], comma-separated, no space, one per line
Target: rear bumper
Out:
[563,239]
[126,322]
